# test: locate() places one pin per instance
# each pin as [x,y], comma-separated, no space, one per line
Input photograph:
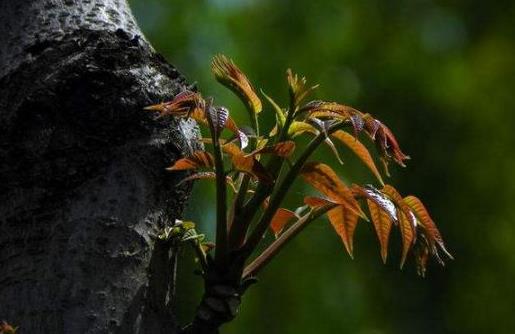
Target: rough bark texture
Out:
[82,180]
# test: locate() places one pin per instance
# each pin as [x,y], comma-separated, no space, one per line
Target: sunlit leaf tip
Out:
[369,192]
[408,235]
[382,225]
[282,149]
[430,235]
[331,110]
[182,105]
[247,163]
[344,223]
[198,159]
[385,141]
[399,202]
[229,75]
[360,150]
[406,218]
[280,219]
[324,179]
[297,128]
[298,87]
[6,328]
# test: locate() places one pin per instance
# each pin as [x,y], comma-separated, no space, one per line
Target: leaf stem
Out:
[255,124]
[282,189]
[197,247]
[271,251]
[238,231]
[244,213]
[239,228]
[221,206]
[221,194]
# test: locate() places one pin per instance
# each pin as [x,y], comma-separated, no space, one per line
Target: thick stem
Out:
[239,228]
[220,302]
[221,204]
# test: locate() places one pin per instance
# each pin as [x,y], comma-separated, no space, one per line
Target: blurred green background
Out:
[441,74]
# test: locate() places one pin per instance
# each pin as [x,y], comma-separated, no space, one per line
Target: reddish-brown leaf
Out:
[399,202]
[229,75]
[421,256]
[429,227]
[360,150]
[407,234]
[232,149]
[190,104]
[6,328]
[217,118]
[199,159]
[249,165]
[197,176]
[374,195]
[344,223]
[246,163]
[391,146]
[282,149]
[357,123]
[280,219]
[371,125]
[243,163]
[316,202]
[382,224]
[181,105]
[327,114]
[325,180]
[207,175]
[331,110]
[385,141]
[199,115]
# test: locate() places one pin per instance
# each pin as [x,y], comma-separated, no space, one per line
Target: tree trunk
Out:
[83,187]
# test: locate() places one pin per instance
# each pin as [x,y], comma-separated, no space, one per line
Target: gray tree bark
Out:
[82,181]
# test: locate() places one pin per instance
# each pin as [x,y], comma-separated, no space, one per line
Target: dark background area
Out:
[441,75]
